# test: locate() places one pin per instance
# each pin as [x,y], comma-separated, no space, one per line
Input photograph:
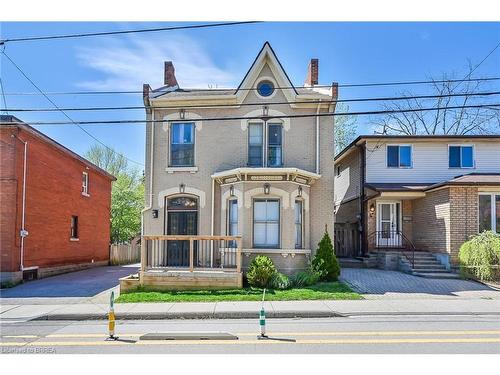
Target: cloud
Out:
[127,64]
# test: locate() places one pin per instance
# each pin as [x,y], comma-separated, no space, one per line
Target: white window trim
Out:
[266,78]
[493,211]
[399,157]
[228,213]
[264,143]
[279,222]
[85,187]
[463,145]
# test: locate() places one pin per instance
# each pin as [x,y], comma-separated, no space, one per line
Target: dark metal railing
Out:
[393,239]
[191,253]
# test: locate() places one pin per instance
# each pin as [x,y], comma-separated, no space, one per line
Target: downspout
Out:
[212,224]
[151,157]
[23,222]
[22,232]
[317,137]
[362,211]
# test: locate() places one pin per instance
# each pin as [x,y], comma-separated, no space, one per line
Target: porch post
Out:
[191,255]
[238,255]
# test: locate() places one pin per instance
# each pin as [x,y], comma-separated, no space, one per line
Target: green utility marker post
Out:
[262,319]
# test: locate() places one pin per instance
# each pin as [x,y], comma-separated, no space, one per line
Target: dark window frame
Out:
[74,227]
[275,146]
[250,145]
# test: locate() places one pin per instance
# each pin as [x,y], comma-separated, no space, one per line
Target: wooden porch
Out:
[174,262]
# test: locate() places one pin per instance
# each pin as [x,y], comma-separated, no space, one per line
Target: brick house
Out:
[55,206]
[423,192]
[261,174]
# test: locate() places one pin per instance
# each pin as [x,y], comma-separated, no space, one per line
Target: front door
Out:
[182,219]
[388,224]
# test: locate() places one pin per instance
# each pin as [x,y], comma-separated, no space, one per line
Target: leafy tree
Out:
[127,193]
[325,260]
[447,120]
[345,128]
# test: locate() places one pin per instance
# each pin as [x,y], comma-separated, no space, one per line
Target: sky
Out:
[348,52]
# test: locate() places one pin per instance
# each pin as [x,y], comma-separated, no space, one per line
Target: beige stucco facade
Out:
[220,172]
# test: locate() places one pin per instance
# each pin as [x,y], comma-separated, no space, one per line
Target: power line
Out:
[3,97]
[303,115]
[133,31]
[487,93]
[372,84]
[64,113]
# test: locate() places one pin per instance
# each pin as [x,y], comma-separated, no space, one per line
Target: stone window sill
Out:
[85,194]
[74,239]
[181,169]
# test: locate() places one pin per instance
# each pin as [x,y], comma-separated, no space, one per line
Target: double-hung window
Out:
[399,156]
[274,152]
[461,156]
[298,224]
[182,144]
[233,217]
[85,183]
[255,142]
[74,227]
[489,212]
[266,223]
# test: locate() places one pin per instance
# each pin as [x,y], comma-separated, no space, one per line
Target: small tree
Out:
[325,260]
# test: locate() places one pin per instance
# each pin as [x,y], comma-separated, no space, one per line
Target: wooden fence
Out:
[125,254]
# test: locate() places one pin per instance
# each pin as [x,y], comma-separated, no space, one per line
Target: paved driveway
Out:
[86,283]
[391,284]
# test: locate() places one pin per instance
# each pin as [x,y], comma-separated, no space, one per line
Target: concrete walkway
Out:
[233,310]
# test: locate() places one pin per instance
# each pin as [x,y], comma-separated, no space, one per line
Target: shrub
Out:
[261,271]
[280,281]
[480,257]
[305,278]
[325,260]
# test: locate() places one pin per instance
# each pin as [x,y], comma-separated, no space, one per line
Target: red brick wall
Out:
[53,195]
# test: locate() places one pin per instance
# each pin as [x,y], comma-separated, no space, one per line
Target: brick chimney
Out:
[169,77]
[312,73]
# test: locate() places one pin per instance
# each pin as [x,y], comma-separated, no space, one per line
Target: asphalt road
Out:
[381,334]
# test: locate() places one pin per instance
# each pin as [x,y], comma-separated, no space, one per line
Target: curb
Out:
[246,315]
[191,315]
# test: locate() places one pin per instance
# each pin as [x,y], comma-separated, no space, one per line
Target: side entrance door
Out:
[182,219]
[388,224]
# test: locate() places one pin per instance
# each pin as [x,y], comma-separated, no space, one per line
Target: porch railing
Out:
[393,239]
[191,253]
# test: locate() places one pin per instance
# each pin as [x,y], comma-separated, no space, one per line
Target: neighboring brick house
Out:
[264,177]
[431,191]
[55,206]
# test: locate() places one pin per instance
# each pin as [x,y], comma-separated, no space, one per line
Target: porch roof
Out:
[249,174]
[399,186]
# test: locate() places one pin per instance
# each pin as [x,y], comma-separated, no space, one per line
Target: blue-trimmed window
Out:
[461,156]
[399,156]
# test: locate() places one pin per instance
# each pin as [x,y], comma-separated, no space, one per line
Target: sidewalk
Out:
[236,310]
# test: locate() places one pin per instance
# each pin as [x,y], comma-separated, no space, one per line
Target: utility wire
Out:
[373,84]
[488,93]
[134,31]
[303,115]
[3,97]
[77,123]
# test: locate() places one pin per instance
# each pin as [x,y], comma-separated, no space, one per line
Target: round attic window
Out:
[265,88]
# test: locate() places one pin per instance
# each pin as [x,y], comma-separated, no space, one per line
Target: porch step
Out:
[439,275]
[350,263]
[430,269]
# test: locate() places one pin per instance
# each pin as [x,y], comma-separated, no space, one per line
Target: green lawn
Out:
[327,290]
